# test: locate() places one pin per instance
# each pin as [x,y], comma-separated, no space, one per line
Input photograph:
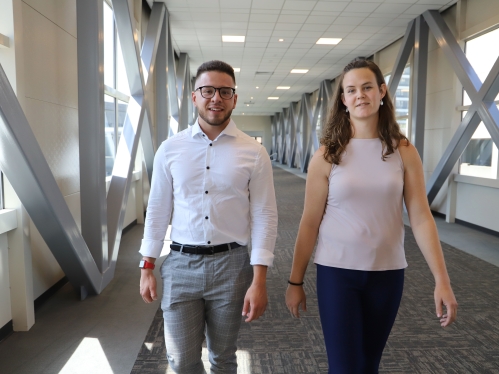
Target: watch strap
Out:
[144,264]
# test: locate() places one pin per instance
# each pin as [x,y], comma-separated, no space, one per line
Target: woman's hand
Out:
[445,297]
[295,296]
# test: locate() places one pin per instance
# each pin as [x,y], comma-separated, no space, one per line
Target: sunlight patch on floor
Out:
[243,362]
[89,357]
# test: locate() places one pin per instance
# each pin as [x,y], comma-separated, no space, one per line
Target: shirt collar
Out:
[230,130]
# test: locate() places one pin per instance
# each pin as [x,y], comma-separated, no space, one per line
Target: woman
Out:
[356,184]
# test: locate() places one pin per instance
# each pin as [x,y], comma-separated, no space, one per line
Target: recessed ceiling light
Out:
[233,38]
[272,98]
[237,70]
[251,97]
[236,86]
[281,40]
[247,104]
[257,87]
[299,71]
[328,41]
[283,87]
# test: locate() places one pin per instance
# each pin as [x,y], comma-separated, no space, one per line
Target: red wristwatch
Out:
[144,264]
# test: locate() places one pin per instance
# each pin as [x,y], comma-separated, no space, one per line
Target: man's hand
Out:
[148,285]
[255,302]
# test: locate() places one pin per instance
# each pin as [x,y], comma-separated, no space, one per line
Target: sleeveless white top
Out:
[362,226]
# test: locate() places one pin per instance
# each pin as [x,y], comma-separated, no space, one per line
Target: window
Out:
[1,191]
[117,91]
[480,158]
[401,99]
[258,139]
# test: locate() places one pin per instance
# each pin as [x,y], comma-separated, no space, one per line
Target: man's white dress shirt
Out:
[215,192]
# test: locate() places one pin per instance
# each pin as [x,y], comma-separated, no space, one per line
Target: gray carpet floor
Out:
[277,343]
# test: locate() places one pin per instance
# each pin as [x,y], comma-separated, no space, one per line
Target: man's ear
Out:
[235,101]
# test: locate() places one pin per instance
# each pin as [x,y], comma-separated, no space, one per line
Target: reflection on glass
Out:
[108,46]
[110,138]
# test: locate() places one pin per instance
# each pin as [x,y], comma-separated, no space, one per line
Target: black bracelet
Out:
[295,284]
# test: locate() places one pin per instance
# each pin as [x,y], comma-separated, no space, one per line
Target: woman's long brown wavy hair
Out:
[338,131]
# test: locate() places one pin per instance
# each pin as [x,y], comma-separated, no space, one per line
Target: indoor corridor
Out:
[116,332]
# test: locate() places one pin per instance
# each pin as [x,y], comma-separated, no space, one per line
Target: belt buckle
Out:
[212,249]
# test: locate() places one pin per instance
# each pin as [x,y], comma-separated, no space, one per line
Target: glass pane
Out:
[478,152]
[1,190]
[110,137]
[403,123]
[402,94]
[122,107]
[108,46]
[121,77]
[480,157]
[482,52]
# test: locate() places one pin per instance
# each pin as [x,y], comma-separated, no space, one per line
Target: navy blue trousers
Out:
[357,310]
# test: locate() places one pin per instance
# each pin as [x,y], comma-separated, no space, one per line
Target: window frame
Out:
[489,172]
[113,92]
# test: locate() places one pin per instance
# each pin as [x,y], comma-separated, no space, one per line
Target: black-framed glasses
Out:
[208,92]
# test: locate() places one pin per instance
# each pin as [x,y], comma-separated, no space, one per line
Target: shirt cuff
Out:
[262,256]
[151,248]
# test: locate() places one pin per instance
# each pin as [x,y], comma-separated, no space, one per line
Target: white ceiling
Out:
[366,26]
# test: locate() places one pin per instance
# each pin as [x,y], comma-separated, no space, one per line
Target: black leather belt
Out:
[203,249]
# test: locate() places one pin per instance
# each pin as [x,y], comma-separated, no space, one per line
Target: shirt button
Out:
[206,217]
[205,191]
[209,242]
[203,135]
[211,145]
[207,167]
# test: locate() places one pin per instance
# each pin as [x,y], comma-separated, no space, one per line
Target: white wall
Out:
[256,126]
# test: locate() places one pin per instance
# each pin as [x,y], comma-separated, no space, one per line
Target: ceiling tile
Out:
[292,19]
[299,5]
[234,17]
[285,26]
[263,18]
[234,4]
[265,4]
[266,33]
[330,6]
[349,21]
[261,26]
[314,27]
[196,4]
[392,8]
[416,10]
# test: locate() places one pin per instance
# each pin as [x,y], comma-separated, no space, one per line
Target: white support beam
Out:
[4,41]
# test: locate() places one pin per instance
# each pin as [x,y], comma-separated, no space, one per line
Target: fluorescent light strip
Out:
[272,98]
[299,71]
[233,38]
[332,41]
[283,87]
[237,70]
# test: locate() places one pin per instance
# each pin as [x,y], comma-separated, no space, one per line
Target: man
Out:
[216,184]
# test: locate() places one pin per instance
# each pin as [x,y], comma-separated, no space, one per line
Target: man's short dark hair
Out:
[216,65]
